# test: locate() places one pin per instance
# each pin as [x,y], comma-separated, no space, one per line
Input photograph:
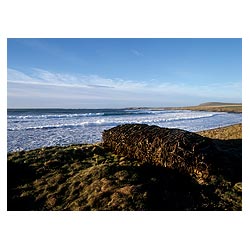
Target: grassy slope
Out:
[89,177]
[208,106]
[215,107]
[220,104]
[224,133]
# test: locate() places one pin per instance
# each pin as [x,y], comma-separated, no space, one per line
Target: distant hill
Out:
[218,104]
[212,106]
[206,106]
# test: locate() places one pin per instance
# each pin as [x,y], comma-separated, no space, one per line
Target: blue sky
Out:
[114,73]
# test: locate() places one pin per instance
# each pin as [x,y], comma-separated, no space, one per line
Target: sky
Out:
[120,73]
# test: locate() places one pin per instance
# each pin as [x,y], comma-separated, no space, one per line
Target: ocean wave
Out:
[90,114]
[54,116]
[53,126]
[111,123]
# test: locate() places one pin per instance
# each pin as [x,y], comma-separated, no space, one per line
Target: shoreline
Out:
[92,177]
[210,107]
[221,108]
[207,133]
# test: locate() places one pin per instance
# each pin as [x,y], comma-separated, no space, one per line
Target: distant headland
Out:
[207,106]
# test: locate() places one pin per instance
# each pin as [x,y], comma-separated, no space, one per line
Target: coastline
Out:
[212,107]
[27,129]
[91,177]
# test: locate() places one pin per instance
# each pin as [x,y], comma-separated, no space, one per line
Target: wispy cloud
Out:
[44,78]
[136,52]
[77,90]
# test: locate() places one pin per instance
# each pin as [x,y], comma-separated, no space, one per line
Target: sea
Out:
[35,128]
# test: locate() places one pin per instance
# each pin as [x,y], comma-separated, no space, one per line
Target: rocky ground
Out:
[93,177]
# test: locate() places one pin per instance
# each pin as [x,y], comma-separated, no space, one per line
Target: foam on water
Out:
[29,129]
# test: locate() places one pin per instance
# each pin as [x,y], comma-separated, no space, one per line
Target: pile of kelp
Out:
[214,164]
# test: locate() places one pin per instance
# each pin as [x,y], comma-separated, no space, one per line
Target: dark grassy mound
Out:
[91,177]
[88,177]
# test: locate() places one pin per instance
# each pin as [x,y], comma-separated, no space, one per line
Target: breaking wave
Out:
[53,116]
[108,122]
[30,129]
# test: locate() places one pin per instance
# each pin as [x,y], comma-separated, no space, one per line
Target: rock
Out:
[172,148]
